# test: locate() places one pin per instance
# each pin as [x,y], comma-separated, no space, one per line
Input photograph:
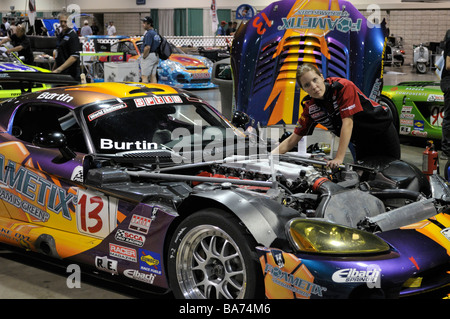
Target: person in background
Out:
[445,87]
[111,30]
[94,28]
[149,59]
[221,28]
[67,59]
[229,28]
[86,29]
[20,44]
[4,28]
[342,108]
[12,28]
[233,28]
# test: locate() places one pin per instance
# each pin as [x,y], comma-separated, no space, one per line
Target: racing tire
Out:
[385,101]
[211,256]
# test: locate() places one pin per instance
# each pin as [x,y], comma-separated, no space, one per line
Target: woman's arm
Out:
[287,144]
[344,140]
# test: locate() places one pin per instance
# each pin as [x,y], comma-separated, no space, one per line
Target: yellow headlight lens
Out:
[317,236]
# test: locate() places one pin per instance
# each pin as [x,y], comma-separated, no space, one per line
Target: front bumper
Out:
[295,276]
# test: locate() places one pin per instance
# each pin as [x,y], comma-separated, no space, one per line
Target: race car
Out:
[417,107]
[150,186]
[22,78]
[12,65]
[180,69]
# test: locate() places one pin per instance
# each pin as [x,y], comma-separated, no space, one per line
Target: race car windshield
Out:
[123,126]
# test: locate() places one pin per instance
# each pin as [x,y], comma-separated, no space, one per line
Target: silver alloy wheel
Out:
[210,265]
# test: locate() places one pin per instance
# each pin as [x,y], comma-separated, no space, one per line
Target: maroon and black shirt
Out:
[343,99]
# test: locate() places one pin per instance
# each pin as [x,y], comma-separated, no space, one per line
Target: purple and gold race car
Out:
[150,186]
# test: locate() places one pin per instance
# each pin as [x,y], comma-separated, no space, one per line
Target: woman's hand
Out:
[335,163]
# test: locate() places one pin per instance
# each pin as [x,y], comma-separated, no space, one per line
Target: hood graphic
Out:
[187,61]
[7,67]
[268,49]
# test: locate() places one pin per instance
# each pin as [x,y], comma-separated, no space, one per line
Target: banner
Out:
[214,19]
[32,13]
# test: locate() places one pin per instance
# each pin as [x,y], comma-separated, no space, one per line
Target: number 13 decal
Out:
[96,213]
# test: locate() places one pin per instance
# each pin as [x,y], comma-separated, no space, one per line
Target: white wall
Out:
[22,5]
[130,5]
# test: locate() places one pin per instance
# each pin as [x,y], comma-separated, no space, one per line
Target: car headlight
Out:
[315,236]
[208,63]
[175,66]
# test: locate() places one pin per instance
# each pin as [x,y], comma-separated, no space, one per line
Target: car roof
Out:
[79,95]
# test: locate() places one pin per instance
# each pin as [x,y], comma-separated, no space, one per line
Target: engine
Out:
[347,196]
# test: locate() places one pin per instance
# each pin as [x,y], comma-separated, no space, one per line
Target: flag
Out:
[32,13]
[214,19]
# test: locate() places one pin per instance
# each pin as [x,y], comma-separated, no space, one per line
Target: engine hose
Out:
[397,193]
[323,185]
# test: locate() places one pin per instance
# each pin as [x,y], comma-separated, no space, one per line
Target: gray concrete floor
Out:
[25,278]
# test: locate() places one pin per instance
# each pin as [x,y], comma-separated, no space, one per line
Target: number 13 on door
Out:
[96,213]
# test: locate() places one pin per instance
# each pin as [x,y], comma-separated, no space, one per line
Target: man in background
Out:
[149,59]
[20,44]
[67,59]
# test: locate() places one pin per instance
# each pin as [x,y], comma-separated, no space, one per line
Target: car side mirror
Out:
[54,139]
[240,119]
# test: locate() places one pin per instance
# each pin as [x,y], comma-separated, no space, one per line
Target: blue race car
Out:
[180,69]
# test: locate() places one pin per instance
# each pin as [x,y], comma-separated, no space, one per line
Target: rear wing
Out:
[26,79]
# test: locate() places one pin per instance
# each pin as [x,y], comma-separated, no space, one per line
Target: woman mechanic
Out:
[339,105]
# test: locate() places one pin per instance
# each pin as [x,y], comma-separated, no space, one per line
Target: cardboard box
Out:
[121,71]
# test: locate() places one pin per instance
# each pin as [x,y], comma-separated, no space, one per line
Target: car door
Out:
[41,185]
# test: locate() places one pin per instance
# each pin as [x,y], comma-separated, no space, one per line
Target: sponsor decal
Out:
[15,237]
[406,122]
[149,261]
[406,109]
[136,275]
[419,125]
[95,115]
[293,283]
[35,188]
[156,100]
[325,20]
[77,174]
[122,252]
[106,264]
[435,98]
[63,97]
[201,76]
[107,144]
[130,238]
[420,133]
[140,224]
[404,130]
[371,276]
[407,116]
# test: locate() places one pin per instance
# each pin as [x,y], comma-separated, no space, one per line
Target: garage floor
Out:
[26,278]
